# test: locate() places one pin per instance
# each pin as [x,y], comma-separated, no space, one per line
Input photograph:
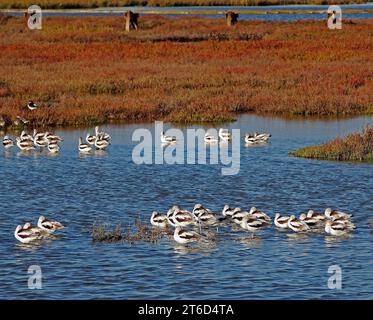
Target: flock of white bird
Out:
[101,140]
[225,136]
[27,142]
[333,222]
[29,233]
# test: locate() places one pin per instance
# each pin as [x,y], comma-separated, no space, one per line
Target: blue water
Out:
[272,17]
[79,190]
[267,17]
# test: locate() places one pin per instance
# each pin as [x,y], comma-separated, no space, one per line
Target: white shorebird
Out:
[229,212]
[101,144]
[297,225]
[204,216]
[316,215]
[186,236]
[26,137]
[254,138]
[238,216]
[7,142]
[38,135]
[52,138]
[224,134]
[310,221]
[28,233]
[182,218]
[158,220]
[101,135]
[83,147]
[253,224]
[210,138]
[25,145]
[49,225]
[262,136]
[170,214]
[281,221]
[53,147]
[90,139]
[41,141]
[338,228]
[167,139]
[336,214]
[259,214]
[31,105]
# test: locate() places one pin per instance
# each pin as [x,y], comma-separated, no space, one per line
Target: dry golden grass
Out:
[89,70]
[354,147]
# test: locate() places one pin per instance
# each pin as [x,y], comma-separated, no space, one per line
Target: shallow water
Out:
[275,17]
[78,190]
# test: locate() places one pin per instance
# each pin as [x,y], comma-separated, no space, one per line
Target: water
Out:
[270,17]
[78,190]
[267,17]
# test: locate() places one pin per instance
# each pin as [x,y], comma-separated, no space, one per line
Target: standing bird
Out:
[281,221]
[224,134]
[209,138]
[338,228]
[311,222]
[91,139]
[31,105]
[204,216]
[170,214]
[238,216]
[316,215]
[167,139]
[41,141]
[253,224]
[52,138]
[297,225]
[229,212]
[182,218]
[53,147]
[25,145]
[83,147]
[259,214]
[101,144]
[7,142]
[158,220]
[336,214]
[101,135]
[26,136]
[28,233]
[49,225]
[186,236]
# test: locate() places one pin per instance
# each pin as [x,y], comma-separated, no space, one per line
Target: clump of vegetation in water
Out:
[71,4]
[139,231]
[354,147]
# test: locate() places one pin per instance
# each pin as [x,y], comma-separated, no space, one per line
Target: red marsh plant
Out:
[86,70]
[354,147]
